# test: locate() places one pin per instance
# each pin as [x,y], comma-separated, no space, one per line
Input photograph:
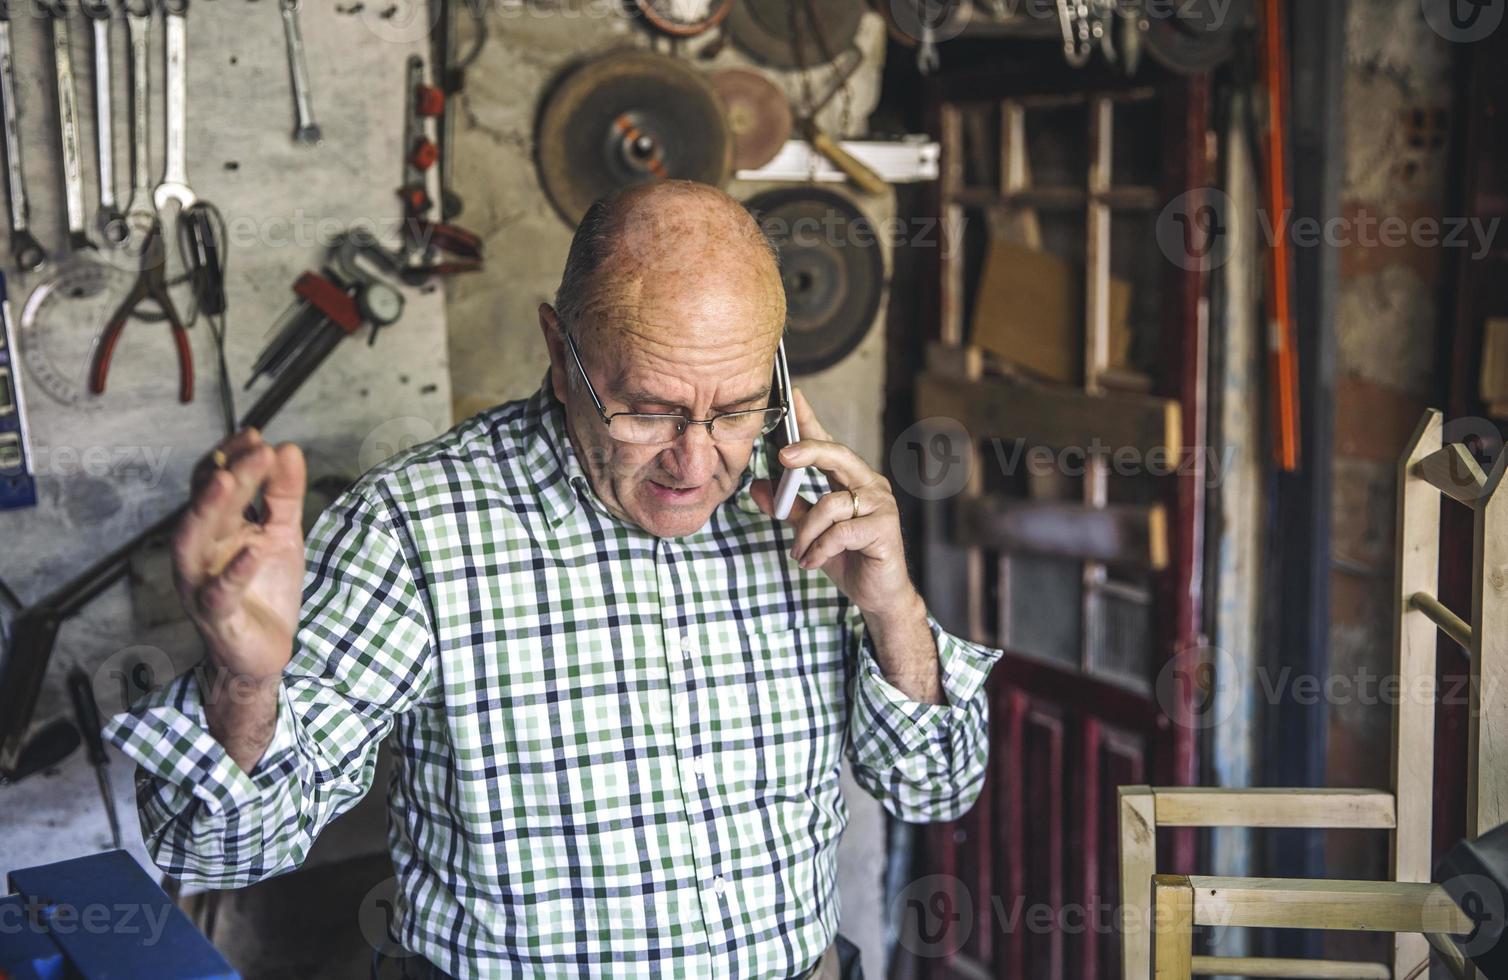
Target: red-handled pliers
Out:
[151,284]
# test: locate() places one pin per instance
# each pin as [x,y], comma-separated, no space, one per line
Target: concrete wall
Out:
[113,464]
[1397,75]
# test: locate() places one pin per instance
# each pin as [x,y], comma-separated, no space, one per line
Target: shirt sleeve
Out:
[924,762]
[361,657]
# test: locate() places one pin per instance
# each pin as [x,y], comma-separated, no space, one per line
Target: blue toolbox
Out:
[99,917]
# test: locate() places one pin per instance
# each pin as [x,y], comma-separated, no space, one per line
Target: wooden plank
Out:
[1416,569]
[1329,904]
[1138,860]
[1119,533]
[1267,966]
[1487,762]
[1059,417]
[1173,927]
[1319,808]
[1454,472]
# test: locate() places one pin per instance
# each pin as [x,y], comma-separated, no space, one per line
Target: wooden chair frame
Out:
[1169,907]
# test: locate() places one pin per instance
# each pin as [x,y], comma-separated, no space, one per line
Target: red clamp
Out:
[429,101]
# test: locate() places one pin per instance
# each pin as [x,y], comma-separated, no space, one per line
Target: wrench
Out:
[28,253]
[112,224]
[68,125]
[174,185]
[306,130]
[141,212]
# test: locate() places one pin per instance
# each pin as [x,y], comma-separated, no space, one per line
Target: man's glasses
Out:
[652,429]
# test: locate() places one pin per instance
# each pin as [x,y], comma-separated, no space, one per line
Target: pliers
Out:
[151,284]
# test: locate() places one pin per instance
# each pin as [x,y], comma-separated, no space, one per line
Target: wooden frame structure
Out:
[1168,908]
[1078,715]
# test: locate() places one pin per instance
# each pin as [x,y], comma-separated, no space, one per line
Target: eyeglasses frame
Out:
[685,421]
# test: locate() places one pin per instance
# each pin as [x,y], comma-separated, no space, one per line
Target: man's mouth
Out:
[672,493]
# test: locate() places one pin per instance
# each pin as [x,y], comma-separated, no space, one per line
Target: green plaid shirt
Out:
[616,755]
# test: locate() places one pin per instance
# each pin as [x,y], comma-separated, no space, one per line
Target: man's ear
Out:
[549,325]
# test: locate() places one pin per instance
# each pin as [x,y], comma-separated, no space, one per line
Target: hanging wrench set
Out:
[161,210]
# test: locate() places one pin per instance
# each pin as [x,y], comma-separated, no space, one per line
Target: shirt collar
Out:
[560,479]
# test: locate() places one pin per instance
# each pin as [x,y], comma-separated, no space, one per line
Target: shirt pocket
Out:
[778,712]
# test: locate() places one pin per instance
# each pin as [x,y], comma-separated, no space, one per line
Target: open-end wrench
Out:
[141,212]
[305,129]
[174,185]
[28,253]
[112,224]
[68,125]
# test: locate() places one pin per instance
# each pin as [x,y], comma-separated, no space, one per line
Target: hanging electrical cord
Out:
[201,238]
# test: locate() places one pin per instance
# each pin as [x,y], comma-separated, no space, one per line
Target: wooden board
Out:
[1054,416]
[1122,534]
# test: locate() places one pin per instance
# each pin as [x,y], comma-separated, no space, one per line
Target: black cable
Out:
[201,238]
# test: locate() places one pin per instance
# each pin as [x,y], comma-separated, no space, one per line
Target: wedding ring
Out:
[855,495]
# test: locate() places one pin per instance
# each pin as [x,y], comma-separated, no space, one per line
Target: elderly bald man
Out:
[619,690]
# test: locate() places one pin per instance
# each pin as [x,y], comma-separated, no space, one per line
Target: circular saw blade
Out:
[781,34]
[628,118]
[684,18]
[759,115]
[832,268]
[1198,36]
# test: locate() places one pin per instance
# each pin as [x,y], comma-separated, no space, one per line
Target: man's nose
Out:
[694,455]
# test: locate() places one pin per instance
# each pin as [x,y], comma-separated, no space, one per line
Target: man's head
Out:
[673,296]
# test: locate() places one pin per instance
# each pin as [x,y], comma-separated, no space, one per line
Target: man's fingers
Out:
[855,535]
[221,595]
[217,512]
[286,483]
[248,472]
[231,448]
[832,508]
[843,467]
[764,499]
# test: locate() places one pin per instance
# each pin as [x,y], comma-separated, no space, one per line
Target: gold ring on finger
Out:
[855,495]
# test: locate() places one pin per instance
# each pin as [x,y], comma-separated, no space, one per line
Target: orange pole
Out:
[1282,337]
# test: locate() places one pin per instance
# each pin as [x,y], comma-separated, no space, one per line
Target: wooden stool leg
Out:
[1138,863]
[1173,927]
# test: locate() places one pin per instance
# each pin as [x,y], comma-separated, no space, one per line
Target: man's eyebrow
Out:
[639,395]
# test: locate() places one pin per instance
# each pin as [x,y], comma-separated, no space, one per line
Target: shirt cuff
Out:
[167,735]
[909,723]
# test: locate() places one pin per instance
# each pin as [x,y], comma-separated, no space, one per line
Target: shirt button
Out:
[699,766]
[719,885]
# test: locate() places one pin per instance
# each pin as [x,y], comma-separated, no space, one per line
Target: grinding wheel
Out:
[832,268]
[1199,36]
[759,116]
[627,118]
[684,18]
[763,28]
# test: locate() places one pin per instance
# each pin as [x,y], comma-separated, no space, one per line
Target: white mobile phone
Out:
[785,481]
